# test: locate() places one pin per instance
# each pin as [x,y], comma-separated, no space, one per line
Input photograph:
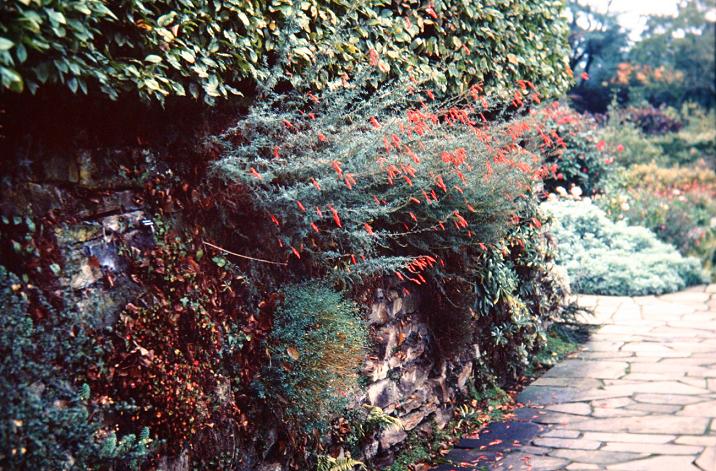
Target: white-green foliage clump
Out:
[603,257]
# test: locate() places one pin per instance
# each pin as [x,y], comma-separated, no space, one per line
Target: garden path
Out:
[640,395]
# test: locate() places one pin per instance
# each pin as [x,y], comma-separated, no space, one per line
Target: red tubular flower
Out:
[368,228]
[275,152]
[315,228]
[255,173]
[322,137]
[295,252]
[275,220]
[374,122]
[412,216]
[336,218]
[337,167]
[300,206]
[315,183]
[430,11]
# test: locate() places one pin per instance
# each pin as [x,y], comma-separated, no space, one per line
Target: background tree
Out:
[674,61]
[598,43]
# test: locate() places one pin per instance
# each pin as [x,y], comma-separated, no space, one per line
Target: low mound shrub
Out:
[317,345]
[604,257]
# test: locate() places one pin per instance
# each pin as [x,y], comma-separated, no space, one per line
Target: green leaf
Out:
[153,58]
[5,44]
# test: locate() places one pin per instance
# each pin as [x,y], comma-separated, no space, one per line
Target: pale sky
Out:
[632,12]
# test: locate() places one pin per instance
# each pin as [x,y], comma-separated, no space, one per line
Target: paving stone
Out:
[700,409]
[696,440]
[506,432]
[597,456]
[686,296]
[581,466]
[534,450]
[560,433]
[577,408]
[602,346]
[707,459]
[657,408]
[665,463]
[612,403]
[652,349]
[588,369]
[547,395]
[570,443]
[577,383]
[646,424]
[532,462]
[617,413]
[656,387]
[653,448]
[666,398]
[697,382]
[629,437]
[557,418]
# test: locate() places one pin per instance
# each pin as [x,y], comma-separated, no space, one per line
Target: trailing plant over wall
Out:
[400,185]
[209,49]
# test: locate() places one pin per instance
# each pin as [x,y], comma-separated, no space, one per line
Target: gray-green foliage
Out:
[317,344]
[603,257]
[45,422]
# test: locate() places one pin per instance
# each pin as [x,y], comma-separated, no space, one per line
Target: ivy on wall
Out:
[210,49]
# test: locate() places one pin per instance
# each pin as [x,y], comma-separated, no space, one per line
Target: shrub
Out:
[677,204]
[47,420]
[603,257]
[571,143]
[635,147]
[211,49]
[317,345]
[359,187]
[353,186]
[651,120]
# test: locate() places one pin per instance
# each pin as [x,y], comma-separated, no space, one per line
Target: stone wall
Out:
[97,206]
[407,376]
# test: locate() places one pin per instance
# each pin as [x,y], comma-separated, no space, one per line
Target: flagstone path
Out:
[640,395]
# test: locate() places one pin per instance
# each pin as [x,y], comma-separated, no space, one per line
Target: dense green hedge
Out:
[210,49]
